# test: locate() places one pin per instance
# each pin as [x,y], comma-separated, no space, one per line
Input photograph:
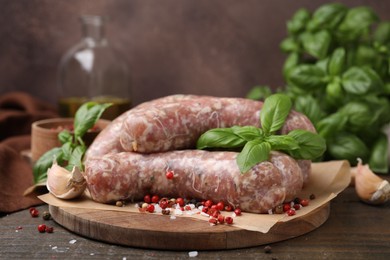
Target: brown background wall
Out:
[213,47]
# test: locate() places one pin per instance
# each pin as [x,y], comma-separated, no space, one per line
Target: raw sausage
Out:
[197,174]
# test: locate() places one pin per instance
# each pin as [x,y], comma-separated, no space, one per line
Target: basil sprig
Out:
[73,148]
[255,144]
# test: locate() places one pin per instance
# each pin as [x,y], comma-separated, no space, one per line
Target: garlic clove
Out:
[64,184]
[370,187]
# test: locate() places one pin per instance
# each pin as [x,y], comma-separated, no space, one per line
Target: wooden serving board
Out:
[161,232]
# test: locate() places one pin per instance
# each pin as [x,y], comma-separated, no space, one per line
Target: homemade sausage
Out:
[197,174]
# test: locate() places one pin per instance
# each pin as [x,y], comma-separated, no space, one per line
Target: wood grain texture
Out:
[160,232]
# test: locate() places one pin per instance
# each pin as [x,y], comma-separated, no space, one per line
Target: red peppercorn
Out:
[42,228]
[169,175]
[180,201]
[221,218]
[34,213]
[31,209]
[216,214]
[49,229]
[205,209]
[286,207]
[237,211]
[228,208]
[214,207]
[187,207]
[220,205]
[150,208]
[213,221]
[163,203]
[297,206]
[147,199]
[208,203]
[304,202]
[291,212]
[229,220]
[155,199]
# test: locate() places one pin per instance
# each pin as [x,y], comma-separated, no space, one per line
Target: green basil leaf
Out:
[259,93]
[359,115]
[220,138]
[307,77]
[337,62]
[282,142]
[382,33]
[66,151]
[87,116]
[45,162]
[253,153]
[331,124]
[366,55]
[346,146]
[317,44]
[379,160]
[65,136]
[76,158]
[309,106]
[291,61]
[335,95]
[289,44]
[248,133]
[327,16]
[311,145]
[360,81]
[356,23]
[298,21]
[274,112]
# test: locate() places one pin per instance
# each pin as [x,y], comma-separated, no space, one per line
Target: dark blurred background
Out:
[209,47]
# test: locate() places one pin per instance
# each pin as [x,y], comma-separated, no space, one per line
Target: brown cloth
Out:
[17,112]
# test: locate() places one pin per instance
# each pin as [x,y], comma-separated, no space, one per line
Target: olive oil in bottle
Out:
[93,71]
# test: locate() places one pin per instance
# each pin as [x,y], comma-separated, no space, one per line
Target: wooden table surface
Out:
[354,230]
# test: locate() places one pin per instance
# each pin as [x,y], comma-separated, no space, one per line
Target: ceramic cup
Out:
[44,134]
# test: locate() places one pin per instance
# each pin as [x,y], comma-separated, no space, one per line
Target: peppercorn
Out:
[119,203]
[312,197]
[267,249]
[49,229]
[165,211]
[279,209]
[42,228]
[46,215]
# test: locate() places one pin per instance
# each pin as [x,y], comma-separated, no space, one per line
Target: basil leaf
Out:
[311,145]
[248,133]
[298,21]
[379,161]
[316,44]
[309,106]
[66,151]
[87,116]
[346,146]
[65,136]
[327,16]
[282,142]
[274,112]
[289,44]
[335,95]
[45,162]
[356,23]
[331,124]
[359,115]
[259,93]
[337,62]
[219,138]
[360,81]
[382,33]
[308,77]
[291,61]
[253,153]
[76,158]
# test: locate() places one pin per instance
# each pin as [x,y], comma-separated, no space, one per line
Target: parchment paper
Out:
[326,181]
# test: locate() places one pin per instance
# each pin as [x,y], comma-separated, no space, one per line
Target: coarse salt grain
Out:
[204,214]
[178,212]
[72,241]
[270,212]
[172,217]
[193,254]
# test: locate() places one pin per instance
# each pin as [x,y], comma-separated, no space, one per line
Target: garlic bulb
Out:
[370,187]
[64,184]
